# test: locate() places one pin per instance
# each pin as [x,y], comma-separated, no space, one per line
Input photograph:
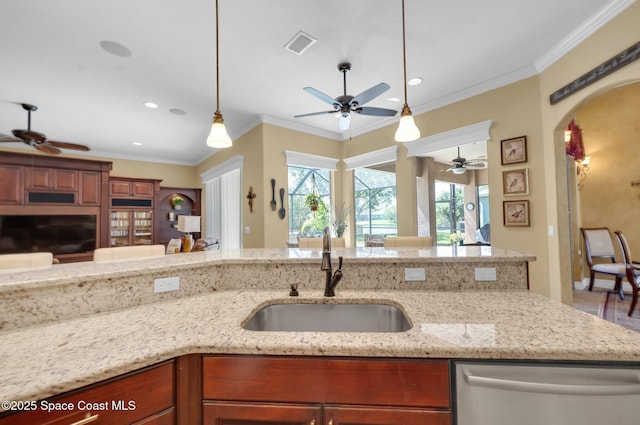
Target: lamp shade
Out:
[188,223]
[407,130]
[218,137]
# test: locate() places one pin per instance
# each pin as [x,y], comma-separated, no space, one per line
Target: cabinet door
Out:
[376,415]
[143,227]
[119,188]
[65,180]
[90,188]
[118,401]
[119,227]
[11,188]
[226,413]
[38,178]
[143,189]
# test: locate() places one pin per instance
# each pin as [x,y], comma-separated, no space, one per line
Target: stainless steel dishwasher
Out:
[507,393]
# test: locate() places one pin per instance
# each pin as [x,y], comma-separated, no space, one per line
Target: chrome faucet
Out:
[331,281]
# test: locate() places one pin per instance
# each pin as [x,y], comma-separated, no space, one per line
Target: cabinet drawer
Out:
[122,400]
[400,382]
[360,415]
[220,413]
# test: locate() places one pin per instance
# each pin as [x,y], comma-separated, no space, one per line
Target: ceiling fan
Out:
[460,165]
[39,140]
[346,104]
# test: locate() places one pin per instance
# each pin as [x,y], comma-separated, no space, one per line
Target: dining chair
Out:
[407,241]
[632,269]
[27,261]
[598,249]
[317,243]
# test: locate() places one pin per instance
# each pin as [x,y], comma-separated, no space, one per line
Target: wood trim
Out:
[30,160]
[189,389]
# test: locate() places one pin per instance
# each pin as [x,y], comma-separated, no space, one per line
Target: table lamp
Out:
[188,224]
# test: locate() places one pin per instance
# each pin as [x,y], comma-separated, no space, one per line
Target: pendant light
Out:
[218,137]
[407,130]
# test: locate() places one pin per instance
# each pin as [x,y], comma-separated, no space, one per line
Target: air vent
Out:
[299,43]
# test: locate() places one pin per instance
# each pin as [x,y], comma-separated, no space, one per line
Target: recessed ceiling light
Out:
[137,143]
[115,49]
[150,105]
[177,111]
[414,81]
[393,99]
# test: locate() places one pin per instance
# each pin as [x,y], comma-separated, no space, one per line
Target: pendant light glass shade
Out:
[218,137]
[407,130]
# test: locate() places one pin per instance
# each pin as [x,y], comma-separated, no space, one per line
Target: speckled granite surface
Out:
[66,291]
[43,360]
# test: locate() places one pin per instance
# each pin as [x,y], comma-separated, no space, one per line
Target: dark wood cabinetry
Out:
[131,211]
[142,397]
[325,391]
[12,187]
[166,217]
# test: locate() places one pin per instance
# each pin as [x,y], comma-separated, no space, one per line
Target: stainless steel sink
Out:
[329,318]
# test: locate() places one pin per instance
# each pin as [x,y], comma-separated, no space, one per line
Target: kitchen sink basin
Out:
[329,318]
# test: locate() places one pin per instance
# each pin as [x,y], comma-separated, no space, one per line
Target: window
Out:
[375,203]
[449,211]
[303,181]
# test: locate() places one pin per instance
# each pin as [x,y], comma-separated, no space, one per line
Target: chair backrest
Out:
[128,252]
[374,240]
[624,247]
[317,243]
[28,261]
[598,244]
[408,241]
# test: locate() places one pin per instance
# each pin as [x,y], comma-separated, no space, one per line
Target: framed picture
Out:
[514,150]
[515,182]
[516,213]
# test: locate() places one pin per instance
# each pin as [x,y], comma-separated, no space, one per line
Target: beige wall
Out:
[611,135]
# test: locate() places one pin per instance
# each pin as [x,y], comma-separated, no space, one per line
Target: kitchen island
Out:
[60,355]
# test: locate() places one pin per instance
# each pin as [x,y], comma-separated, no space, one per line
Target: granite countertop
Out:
[48,359]
[61,274]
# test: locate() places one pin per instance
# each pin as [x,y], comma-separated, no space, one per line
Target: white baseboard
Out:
[602,284]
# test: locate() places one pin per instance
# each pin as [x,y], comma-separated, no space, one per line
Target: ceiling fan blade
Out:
[345,121]
[475,166]
[66,145]
[378,112]
[47,149]
[314,113]
[29,135]
[5,138]
[322,96]
[369,94]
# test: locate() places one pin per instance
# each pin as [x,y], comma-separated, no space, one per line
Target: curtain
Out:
[224,209]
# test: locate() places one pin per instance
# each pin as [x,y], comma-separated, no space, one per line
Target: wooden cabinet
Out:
[131,211]
[51,179]
[142,397]
[343,390]
[11,189]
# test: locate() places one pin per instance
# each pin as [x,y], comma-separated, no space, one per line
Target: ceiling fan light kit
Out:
[218,137]
[344,105]
[407,130]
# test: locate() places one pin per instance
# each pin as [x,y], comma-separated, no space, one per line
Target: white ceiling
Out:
[51,57]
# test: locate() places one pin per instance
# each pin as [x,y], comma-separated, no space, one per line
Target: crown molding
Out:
[312,161]
[582,32]
[269,119]
[223,168]
[368,159]
[478,132]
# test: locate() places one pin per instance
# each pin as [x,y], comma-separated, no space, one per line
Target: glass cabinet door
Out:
[142,228]
[120,224]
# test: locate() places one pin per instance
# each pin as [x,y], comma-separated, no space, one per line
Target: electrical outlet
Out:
[485,274]
[414,275]
[166,284]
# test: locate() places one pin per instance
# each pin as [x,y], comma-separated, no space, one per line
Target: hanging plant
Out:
[312,201]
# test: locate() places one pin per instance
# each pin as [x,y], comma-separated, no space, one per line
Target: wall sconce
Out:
[582,168]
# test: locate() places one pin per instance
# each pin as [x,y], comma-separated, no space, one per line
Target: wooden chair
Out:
[317,243]
[599,247]
[26,261]
[408,241]
[128,252]
[632,269]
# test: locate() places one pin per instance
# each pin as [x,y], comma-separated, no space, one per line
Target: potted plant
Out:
[339,220]
[177,202]
[312,201]
[457,238]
